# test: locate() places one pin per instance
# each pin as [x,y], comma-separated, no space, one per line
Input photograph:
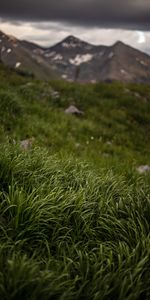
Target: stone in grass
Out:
[143,169]
[73,110]
[55,94]
[27,144]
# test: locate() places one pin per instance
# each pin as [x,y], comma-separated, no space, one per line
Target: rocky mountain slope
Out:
[76,60]
[16,54]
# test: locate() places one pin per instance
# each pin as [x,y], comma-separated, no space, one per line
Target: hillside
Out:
[74,210]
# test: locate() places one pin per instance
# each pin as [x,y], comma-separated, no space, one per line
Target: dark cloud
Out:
[132,14]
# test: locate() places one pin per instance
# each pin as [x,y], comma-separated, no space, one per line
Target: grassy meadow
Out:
[74,211]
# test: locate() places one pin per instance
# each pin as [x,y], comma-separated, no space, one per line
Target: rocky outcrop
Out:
[73,110]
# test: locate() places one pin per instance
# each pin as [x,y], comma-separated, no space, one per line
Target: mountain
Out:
[21,56]
[75,60]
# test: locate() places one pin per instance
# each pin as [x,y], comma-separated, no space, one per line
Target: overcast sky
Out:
[97,21]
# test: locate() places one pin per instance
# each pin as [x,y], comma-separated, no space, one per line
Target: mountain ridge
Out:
[73,59]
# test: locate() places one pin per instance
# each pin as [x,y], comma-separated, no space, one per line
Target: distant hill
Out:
[75,60]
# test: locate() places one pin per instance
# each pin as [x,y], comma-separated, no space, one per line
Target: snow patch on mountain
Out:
[64,76]
[65,45]
[9,50]
[50,54]
[111,54]
[79,59]
[58,57]
[71,44]
[38,51]
[143,63]
[18,64]
[123,71]
[3,49]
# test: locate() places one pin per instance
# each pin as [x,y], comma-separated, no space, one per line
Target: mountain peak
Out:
[71,39]
[12,38]
[119,44]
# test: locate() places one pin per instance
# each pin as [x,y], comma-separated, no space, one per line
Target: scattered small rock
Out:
[106,154]
[143,169]
[127,91]
[109,143]
[77,145]
[27,144]
[73,110]
[137,95]
[55,94]
[29,84]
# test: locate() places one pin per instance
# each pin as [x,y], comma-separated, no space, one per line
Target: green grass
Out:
[74,212]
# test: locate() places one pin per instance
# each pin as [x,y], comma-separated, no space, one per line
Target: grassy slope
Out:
[74,214]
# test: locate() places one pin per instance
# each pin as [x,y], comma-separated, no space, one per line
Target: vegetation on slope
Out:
[74,213]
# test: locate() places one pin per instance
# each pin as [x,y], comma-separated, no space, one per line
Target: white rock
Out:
[109,143]
[143,169]
[55,94]
[73,110]
[26,144]
[77,145]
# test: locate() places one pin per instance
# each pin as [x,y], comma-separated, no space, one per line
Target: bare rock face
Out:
[73,110]
[143,169]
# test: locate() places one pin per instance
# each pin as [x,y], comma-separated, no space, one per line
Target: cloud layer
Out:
[128,14]
[49,33]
